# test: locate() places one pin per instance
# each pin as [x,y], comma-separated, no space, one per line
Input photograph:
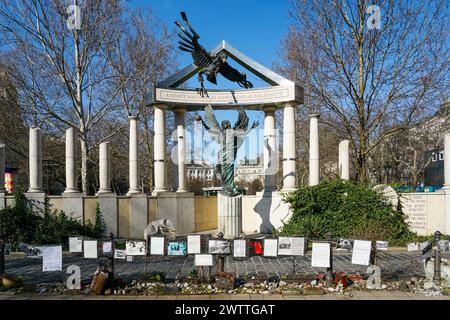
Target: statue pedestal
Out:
[230,215]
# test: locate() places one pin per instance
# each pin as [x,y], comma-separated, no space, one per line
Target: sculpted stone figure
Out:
[230,139]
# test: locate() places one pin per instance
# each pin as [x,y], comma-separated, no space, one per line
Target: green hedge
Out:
[347,210]
[25,222]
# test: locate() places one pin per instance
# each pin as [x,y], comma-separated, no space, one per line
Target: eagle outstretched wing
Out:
[190,44]
[233,74]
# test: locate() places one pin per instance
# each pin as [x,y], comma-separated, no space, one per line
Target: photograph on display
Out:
[120,254]
[255,247]
[444,245]
[135,248]
[345,244]
[176,248]
[219,247]
[381,245]
[33,252]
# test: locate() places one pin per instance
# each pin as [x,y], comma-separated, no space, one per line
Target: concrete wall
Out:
[205,211]
[427,212]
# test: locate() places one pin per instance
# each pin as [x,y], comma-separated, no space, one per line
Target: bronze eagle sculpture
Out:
[211,64]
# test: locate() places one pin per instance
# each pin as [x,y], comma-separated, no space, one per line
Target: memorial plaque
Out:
[415,208]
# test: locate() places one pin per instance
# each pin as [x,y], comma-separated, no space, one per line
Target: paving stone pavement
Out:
[394,265]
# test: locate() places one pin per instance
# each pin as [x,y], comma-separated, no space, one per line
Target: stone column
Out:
[71,164]
[314,171]
[35,160]
[105,168]
[344,162]
[289,152]
[270,149]
[181,148]
[160,148]
[133,157]
[447,161]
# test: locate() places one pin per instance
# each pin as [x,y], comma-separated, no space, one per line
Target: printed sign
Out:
[291,246]
[239,248]
[203,260]
[361,252]
[320,255]
[157,246]
[75,244]
[90,249]
[381,245]
[193,244]
[107,247]
[51,258]
[270,247]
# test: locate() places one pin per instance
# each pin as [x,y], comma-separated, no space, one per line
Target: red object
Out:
[257,247]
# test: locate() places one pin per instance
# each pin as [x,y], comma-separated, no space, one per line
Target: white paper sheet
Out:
[75,244]
[270,247]
[291,246]
[239,248]
[382,245]
[135,248]
[203,260]
[157,245]
[119,254]
[107,247]
[129,258]
[361,252]
[51,258]
[194,244]
[320,255]
[90,249]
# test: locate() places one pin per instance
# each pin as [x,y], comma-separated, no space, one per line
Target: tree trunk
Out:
[84,164]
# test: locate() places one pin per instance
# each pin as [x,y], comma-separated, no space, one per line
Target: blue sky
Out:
[256,28]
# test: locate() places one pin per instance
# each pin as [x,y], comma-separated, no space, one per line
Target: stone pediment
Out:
[280,90]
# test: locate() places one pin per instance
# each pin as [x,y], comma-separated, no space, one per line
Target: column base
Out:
[104,192]
[288,190]
[71,191]
[445,188]
[182,190]
[133,191]
[157,191]
[35,190]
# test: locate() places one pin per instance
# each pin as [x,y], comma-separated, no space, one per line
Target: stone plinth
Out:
[177,207]
[73,205]
[230,215]
[138,215]
[109,209]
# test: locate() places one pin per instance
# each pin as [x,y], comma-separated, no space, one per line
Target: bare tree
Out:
[373,82]
[62,75]
[140,55]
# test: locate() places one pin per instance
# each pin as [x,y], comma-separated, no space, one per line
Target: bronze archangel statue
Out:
[211,65]
[230,139]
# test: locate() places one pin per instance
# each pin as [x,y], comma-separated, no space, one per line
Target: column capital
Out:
[268,109]
[314,115]
[290,104]
[161,106]
[180,109]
